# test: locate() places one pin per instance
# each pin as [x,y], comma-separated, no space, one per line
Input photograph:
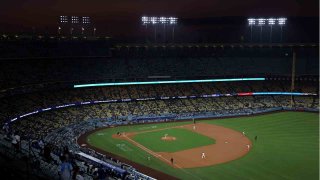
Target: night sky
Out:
[115,15]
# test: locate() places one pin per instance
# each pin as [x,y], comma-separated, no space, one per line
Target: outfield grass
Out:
[185,139]
[287,148]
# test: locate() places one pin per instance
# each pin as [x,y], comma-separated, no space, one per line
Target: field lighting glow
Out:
[158,20]
[282,21]
[167,82]
[271,21]
[261,21]
[267,21]
[251,21]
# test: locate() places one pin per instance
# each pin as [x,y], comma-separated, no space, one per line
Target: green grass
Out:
[185,139]
[287,148]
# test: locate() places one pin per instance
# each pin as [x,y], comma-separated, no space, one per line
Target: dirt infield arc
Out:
[230,145]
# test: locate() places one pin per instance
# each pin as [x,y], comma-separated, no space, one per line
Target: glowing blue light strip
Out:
[167,82]
[284,93]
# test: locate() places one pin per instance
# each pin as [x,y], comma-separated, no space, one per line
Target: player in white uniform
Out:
[203,155]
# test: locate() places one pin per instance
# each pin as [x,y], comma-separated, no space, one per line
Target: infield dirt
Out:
[230,145]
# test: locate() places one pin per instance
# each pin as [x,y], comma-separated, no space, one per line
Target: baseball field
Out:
[282,145]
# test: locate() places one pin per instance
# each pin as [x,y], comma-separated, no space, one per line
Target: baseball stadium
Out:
[194,96]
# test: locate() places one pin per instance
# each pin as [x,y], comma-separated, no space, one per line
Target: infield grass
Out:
[287,148]
[185,139]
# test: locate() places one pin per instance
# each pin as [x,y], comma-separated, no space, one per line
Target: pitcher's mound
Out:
[168,138]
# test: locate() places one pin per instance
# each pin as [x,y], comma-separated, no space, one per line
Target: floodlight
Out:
[271,21]
[145,20]
[162,20]
[63,19]
[282,21]
[154,20]
[86,20]
[173,20]
[158,20]
[74,19]
[251,21]
[261,21]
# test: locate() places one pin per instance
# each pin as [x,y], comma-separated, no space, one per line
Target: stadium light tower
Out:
[63,19]
[165,21]
[264,22]
[251,22]
[153,21]
[261,23]
[281,22]
[173,21]
[271,22]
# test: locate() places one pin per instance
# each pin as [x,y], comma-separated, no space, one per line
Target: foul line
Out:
[157,155]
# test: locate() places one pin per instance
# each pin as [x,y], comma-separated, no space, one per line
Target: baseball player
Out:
[203,155]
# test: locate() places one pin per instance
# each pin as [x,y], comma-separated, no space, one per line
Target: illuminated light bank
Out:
[167,82]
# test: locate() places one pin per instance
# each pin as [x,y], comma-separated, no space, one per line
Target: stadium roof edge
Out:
[216,45]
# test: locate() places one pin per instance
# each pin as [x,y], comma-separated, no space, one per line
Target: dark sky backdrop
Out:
[119,16]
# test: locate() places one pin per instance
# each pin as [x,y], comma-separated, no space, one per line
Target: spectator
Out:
[65,170]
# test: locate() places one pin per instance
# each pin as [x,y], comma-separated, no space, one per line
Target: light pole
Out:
[164,29]
[146,32]
[71,31]
[82,30]
[173,21]
[282,22]
[281,34]
[159,20]
[94,32]
[261,22]
[173,33]
[251,33]
[251,22]
[271,22]
[145,21]
[59,30]
[155,32]
[271,34]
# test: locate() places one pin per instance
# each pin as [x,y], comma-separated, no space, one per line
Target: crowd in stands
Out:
[45,122]
[56,157]
[68,123]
